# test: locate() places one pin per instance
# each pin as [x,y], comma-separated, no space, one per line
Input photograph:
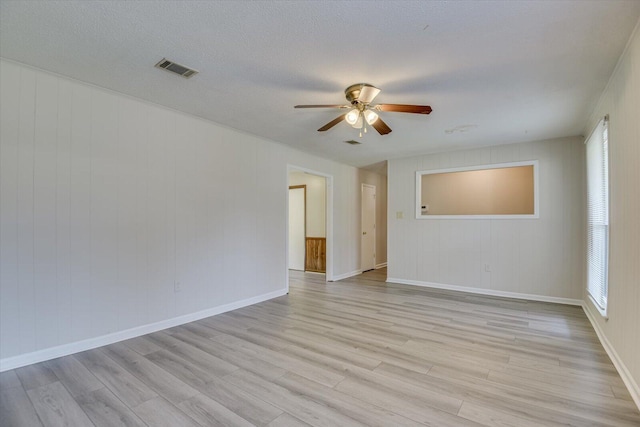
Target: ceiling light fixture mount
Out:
[460,129]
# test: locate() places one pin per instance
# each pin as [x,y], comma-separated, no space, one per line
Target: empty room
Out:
[319,213]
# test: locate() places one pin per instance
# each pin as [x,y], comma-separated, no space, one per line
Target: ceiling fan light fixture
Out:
[359,121]
[361,113]
[352,116]
[370,116]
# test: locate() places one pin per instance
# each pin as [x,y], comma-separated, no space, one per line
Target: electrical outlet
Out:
[176,287]
[487,268]
[399,215]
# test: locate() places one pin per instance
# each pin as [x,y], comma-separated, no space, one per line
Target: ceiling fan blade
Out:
[381,127]
[322,106]
[367,93]
[403,108]
[332,123]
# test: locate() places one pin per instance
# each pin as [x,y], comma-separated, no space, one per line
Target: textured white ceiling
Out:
[495,72]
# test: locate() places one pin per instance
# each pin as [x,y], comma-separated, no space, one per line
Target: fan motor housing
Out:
[353,92]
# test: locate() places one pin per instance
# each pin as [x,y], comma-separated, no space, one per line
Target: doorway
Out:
[297,226]
[309,250]
[368,237]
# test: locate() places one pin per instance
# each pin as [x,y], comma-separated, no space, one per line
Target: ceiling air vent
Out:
[176,68]
[353,142]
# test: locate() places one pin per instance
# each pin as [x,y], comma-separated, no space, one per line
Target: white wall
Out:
[621,333]
[297,229]
[106,201]
[316,201]
[540,257]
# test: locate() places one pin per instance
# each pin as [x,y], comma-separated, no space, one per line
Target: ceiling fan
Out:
[361,112]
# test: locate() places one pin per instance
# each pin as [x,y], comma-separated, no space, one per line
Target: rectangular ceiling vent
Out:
[181,70]
[353,142]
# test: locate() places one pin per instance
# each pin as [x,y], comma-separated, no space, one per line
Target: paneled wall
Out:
[621,100]
[539,257]
[116,214]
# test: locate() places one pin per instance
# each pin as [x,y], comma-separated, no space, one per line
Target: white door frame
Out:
[329,221]
[375,228]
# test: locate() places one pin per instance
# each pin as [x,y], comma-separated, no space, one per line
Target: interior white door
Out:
[297,228]
[368,245]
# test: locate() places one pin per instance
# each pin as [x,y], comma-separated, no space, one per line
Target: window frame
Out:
[598,264]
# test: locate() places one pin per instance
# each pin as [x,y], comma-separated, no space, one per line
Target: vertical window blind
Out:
[598,215]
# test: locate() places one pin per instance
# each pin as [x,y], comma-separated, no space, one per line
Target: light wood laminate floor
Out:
[359,352]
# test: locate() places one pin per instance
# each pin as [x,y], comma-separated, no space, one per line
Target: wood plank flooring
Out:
[359,352]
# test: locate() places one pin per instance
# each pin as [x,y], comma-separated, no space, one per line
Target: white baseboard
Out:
[632,385]
[78,346]
[381,265]
[490,292]
[345,275]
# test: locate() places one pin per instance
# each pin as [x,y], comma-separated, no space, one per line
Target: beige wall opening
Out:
[507,190]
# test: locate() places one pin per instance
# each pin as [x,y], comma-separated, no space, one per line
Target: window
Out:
[598,215]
